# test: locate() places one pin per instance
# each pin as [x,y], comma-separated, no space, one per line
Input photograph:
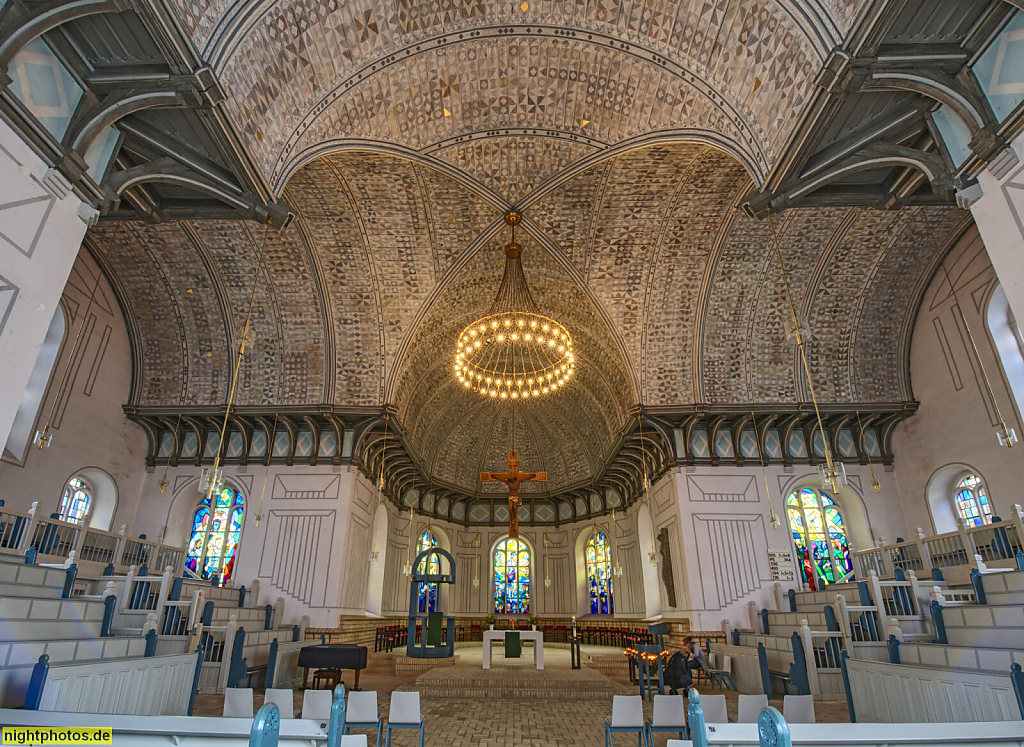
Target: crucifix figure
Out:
[513,478]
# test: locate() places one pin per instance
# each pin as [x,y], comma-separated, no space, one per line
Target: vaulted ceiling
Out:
[674,296]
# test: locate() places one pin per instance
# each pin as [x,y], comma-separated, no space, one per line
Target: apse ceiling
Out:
[674,297]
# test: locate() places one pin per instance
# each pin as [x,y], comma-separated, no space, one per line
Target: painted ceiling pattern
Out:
[674,297]
[305,76]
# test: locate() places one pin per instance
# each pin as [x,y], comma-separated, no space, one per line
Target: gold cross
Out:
[513,478]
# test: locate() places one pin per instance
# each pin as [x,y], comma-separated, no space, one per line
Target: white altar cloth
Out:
[490,636]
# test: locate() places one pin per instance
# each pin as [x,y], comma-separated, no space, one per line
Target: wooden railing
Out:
[57,541]
[996,543]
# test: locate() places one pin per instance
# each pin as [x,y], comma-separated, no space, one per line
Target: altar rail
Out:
[56,541]
[952,553]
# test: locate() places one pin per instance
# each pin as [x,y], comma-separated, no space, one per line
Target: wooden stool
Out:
[331,676]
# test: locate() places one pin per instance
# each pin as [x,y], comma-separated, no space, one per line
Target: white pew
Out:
[902,694]
[164,731]
[153,686]
[907,735]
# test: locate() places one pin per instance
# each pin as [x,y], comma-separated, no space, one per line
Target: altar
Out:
[490,636]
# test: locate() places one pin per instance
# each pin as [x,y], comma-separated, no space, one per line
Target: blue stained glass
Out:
[213,546]
[428,592]
[512,577]
[599,564]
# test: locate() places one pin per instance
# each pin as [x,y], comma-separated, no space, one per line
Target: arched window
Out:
[819,535]
[972,502]
[599,571]
[74,505]
[512,577]
[214,544]
[1009,342]
[431,565]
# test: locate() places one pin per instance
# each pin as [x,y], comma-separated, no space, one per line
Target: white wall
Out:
[41,228]
[955,428]
[719,557]
[90,432]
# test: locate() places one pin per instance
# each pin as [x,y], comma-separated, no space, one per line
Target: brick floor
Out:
[492,721]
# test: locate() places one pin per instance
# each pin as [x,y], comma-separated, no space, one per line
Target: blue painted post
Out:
[35,684]
[70,574]
[1018,686]
[271,665]
[268,616]
[764,622]
[323,639]
[772,729]
[1020,560]
[846,686]
[208,613]
[241,596]
[337,721]
[792,599]
[295,633]
[867,620]
[894,649]
[108,569]
[175,595]
[900,595]
[820,584]
[939,623]
[698,729]
[109,604]
[31,554]
[979,586]
[150,643]
[762,660]
[238,666]
[265,727]
[937,574]
[173,617]
[832,625]
[195,677]
[735,637]
[214,580]
[798,669]
[1001,541]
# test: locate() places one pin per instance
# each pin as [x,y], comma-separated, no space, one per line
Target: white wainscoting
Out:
[154,686]
[901,694]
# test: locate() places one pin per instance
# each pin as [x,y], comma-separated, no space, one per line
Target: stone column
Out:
[997,203]
[42,223]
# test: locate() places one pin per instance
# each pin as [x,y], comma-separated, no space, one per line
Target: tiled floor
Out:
[492,720]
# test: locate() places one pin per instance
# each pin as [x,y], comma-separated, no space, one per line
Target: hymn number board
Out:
[780,564]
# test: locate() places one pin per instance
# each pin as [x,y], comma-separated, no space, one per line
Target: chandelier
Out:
[514,352]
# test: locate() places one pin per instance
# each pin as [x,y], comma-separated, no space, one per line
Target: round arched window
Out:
[215,535]
[75,503]
[512,577]
[972,502]
[819,536]
[599,572]
[429,565]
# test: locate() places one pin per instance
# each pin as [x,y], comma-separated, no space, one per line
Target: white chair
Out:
[361,712]
[283,699]
[714,709]
[750,708]
[316,704]
[238,702]
[669,715]
[353,740]
[627,715]
[404,714]
[798,709]
[722,675]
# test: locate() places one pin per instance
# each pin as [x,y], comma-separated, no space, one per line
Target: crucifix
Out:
[513,478]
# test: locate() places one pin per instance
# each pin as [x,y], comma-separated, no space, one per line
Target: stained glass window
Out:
[972,501]
[599,570]
[819,536]
[512,577]
[213,547]
[431,565]
[75,503]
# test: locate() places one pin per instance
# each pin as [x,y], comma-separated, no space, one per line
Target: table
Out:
[332,656]
[490,636]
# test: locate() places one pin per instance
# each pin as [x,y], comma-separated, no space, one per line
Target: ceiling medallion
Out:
[514,352]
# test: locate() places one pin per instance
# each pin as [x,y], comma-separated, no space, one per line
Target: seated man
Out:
[696,658]
[677,673]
